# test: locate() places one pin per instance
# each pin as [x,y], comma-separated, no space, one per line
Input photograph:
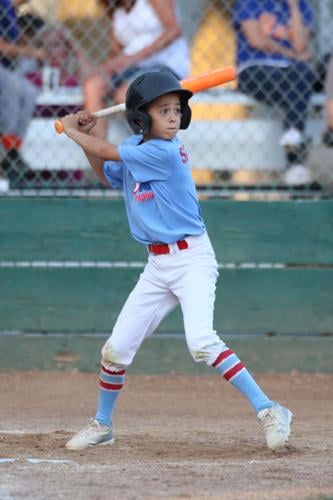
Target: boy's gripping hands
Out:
[77,127]
[83,121]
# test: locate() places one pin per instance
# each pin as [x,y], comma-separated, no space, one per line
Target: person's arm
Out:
[116,46]
[13,50]
[98,167]
[115,53]
[18,3]
[257,39]
[300,34]
[77,127]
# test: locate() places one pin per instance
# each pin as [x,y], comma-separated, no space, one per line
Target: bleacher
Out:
[230,132]
[250,141]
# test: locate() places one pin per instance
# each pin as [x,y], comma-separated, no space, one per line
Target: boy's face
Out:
[165,113]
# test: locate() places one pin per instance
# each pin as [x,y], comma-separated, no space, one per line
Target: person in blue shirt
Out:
[273,53]
[152,168]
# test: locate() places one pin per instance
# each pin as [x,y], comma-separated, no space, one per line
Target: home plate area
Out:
[176,436]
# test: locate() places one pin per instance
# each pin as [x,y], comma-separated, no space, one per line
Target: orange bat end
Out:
[209,79]
[59,128]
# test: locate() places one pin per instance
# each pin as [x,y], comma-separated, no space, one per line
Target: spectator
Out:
[272,57]
[17,95]
[321,156]
[328,134]
[63,52]
[29,27]
[144,35]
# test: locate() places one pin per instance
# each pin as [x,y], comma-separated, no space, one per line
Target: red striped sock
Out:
[228,364]
[232,369]
[110,384]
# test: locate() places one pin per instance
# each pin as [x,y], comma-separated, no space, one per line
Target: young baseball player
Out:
[152,169]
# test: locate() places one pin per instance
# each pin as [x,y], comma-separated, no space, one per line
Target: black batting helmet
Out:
[147,87]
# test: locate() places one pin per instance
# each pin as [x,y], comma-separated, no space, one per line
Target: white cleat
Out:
[276,422]
[92,435]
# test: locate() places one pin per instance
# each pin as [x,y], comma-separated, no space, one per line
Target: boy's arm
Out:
[77,127]
[98,167]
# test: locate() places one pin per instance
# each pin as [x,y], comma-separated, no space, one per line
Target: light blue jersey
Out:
[160,195]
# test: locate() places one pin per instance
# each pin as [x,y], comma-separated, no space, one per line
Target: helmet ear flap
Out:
[186,117]
[139,121]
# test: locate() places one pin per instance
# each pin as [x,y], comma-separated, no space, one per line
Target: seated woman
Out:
[144,34]
[272,57]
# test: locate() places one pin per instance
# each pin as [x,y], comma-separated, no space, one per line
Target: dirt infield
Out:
[176,436]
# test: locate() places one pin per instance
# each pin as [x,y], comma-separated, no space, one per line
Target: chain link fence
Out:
[237,142]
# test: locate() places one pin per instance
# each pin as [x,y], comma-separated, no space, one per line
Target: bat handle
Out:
[117,108]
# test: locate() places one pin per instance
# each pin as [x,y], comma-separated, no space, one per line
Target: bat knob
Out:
[59,128]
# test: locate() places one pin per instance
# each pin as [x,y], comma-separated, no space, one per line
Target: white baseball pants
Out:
[186,277]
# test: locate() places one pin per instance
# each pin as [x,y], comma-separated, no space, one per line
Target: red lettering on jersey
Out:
[149,195]
[183,154]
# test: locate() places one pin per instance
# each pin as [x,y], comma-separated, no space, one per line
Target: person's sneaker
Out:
[92,435]
[4,185]
[327,138]
[292,138]
[297,175]
[276,422]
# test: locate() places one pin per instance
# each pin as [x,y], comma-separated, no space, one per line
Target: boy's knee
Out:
[206,352]
[113,356]
[109,353]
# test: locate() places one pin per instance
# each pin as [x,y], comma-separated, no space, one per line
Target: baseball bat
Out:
[195,84]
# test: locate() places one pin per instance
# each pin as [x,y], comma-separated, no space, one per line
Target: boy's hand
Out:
[70,122]
[82,121]
[86,121]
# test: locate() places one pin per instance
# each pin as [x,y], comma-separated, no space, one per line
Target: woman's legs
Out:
[288,88]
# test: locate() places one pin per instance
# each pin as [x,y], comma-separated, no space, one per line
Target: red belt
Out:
[164,248]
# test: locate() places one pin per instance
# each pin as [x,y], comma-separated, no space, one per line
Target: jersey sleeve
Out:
[146,162]
[113,171]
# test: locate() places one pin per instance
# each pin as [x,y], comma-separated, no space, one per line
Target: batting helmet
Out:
[147,87]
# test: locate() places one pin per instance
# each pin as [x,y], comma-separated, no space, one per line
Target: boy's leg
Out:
[274,418]
[230,367]
[196,293]
[149,302]
[197,299]
[140,316]
[110,384]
